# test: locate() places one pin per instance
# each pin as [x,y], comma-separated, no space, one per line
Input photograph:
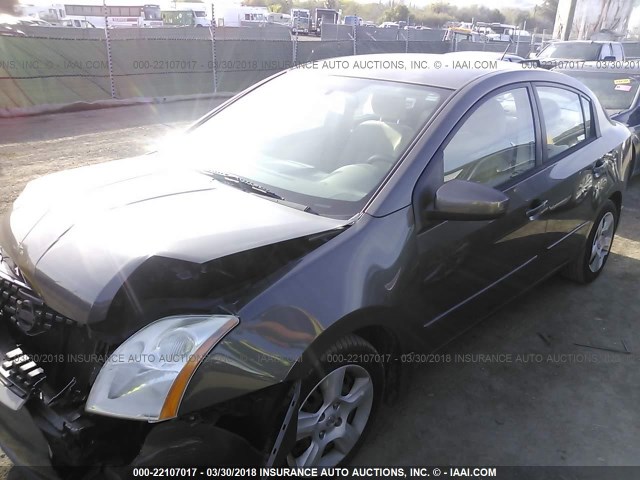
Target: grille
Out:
[27,311]
[50,340]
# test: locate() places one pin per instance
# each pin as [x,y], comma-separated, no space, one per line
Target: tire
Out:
[332,423]
[586,267]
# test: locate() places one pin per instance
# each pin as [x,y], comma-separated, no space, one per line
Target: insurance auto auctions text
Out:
[357,64]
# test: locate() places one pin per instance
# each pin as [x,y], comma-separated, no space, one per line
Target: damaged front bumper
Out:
[74,445]
[23,442]
[44,426]
[170,444]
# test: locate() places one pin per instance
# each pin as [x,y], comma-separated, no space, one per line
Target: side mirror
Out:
[609,58]
[462,200]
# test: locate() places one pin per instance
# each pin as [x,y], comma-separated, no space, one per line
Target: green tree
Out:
[442,8]
[397,13]
[544,16]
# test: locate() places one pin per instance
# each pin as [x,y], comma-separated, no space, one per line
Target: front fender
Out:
[321,299]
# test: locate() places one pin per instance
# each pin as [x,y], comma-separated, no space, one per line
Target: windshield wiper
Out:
[242,183]
[247,185]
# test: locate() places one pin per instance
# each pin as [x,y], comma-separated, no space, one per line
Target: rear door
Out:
[573,168]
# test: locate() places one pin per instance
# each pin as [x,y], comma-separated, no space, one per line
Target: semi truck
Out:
[323,16]
[300,21]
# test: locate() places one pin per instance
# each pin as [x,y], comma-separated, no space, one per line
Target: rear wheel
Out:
[594,255]
[339,403]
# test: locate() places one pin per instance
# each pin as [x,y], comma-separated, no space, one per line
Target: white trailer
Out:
[119,16]
[238,16]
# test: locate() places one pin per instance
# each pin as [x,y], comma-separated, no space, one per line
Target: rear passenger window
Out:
[564,119]
[617,51]
[495,143]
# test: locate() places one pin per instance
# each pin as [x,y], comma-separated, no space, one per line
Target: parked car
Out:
[77,24]
[617,90]
[10,24]
[559,54]
[254,303]
[483,55]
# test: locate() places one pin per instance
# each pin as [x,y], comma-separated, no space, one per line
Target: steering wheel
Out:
[489,167]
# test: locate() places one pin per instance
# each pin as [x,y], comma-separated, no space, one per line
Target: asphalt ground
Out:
[543,401]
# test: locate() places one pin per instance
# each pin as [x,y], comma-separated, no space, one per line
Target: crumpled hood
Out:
[78,234]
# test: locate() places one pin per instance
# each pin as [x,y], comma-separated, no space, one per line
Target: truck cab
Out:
[300,21]
[579,50]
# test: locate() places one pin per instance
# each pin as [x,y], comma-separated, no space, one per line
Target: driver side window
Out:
[495,143]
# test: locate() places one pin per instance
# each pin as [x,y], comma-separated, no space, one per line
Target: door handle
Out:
[600,168]
[537,209]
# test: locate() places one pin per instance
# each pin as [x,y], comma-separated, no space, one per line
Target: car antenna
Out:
[505,51]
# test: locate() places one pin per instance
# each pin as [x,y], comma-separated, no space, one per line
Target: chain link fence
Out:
[54,65]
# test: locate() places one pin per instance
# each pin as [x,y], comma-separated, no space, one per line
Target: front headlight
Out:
[147,375]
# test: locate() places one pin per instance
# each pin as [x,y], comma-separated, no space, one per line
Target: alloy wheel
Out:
[602,242]
[333,417]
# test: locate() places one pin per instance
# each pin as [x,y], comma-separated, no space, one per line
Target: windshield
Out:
[615,91]
[323,141]
[152,13]
[574,51]
[200,14]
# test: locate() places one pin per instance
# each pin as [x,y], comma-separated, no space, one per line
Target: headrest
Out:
[550,108]
[488,118]
[388,106]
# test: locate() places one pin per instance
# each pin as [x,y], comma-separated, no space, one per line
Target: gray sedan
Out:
[251,294]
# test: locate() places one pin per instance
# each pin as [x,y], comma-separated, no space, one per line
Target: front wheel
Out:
[593,257]
[338,406]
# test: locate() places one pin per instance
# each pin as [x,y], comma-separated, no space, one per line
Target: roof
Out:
[583,41]
[483,55]
[437,70]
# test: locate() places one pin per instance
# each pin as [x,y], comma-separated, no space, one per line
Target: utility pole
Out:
[567,29]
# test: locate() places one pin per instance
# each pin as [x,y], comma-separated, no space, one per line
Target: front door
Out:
[469,268]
